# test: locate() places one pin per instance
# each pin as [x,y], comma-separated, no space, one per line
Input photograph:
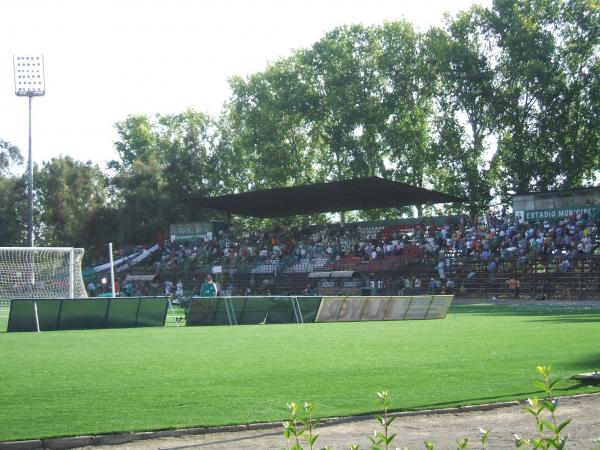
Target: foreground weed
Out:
[383,439]
[550,432]
[300,429]
[485,438]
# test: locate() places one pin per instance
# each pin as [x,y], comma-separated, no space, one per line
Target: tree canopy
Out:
[495,99]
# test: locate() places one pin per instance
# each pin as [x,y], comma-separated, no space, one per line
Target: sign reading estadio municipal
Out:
[556,213]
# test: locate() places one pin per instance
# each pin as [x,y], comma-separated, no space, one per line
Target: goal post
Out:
[39,272]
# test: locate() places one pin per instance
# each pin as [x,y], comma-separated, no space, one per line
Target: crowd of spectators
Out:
[280,244]
[492,237]
[489,238]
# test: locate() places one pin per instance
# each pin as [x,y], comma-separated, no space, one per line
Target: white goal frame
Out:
[39,272]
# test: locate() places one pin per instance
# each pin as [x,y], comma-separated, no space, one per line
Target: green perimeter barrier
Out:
[251,310]
[87,313]
[309,306]
[255,310]
[349,309]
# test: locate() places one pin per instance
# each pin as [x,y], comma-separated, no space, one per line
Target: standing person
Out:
[129,288]
[168,288]
[380,287]
[514,287]
[408,287]
[208,288]
[449,286]
[92,289]
[417,285]
[179,291]
[440,267]
[432,286]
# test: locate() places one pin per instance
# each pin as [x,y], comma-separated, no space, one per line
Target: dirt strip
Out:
[441,429]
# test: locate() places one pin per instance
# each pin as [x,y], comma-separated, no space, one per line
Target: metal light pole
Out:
[29,82]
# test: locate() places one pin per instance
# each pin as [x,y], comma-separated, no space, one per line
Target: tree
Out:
[137,141]
[143,202]
[348,114]
[407,100]
[13,197]
[464,107]
[547,79]
[269,122]
[163,162]
[67,192]
[354,104]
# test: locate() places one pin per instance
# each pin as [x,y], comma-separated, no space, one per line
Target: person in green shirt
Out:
[208,288]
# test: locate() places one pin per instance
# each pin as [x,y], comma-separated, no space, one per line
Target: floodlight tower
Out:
[29,82]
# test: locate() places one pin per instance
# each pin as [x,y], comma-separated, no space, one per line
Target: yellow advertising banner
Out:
[352,309]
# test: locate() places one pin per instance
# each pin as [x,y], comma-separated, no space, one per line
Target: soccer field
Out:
[103,381]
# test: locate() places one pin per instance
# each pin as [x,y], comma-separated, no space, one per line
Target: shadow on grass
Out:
[589,363]
[586,318]
[558,391]
[574,313]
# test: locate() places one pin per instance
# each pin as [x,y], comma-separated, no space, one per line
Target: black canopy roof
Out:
[335,196]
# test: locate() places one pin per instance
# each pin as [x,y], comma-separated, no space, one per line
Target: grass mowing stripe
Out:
[101,381]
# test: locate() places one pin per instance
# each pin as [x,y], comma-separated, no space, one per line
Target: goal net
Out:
[39,273]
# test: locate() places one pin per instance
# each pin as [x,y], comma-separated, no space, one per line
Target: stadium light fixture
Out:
[29,82]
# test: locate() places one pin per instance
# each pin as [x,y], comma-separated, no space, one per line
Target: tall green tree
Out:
[163,162]
[67,192]
[357,103]
[464,102]
[407,103]
[13,197]
[142,202]
[547,75]
[136,141]
[349,112]
[185,152]
[270,117]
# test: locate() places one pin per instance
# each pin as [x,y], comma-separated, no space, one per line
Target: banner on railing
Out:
[126,261]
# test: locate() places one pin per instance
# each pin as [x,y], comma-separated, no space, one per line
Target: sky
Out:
[107,59]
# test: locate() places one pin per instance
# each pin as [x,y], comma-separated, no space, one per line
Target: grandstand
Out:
[479,261]
[482,258]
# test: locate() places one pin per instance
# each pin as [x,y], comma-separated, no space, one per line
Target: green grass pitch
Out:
[103,381]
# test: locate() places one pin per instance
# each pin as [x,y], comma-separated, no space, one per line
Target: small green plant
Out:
[551,432]
[383,439]
[300,429]
[485,437]
[462,444]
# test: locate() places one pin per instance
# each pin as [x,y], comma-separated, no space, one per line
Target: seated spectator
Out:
[564,265]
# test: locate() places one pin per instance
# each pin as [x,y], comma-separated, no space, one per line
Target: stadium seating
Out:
[559,259]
